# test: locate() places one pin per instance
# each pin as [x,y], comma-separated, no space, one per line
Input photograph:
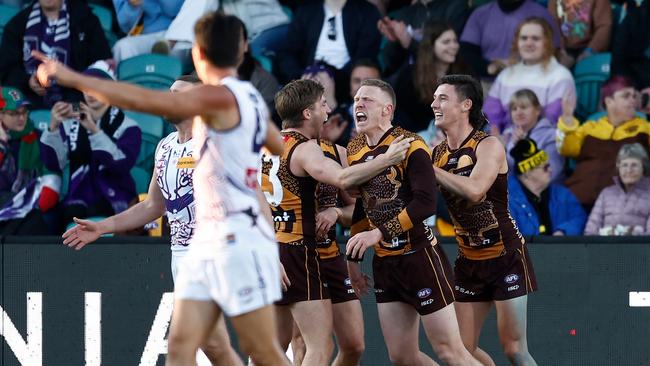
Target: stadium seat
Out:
[266,62]
[6,13]
[40,118]
[590,74]
[105,17]
[141,178]
[150,70]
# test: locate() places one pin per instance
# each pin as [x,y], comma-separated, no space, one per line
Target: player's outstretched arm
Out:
[199,100]
[491,157]
[86,231]
[310,158]
[273,143]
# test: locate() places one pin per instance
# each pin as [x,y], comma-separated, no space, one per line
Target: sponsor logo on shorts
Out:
[465,291]
[350,291]
[230,239]
[378,291]
[348,282]
[425,292]
[513,288]
[426,302]
[246,291]
[511,278]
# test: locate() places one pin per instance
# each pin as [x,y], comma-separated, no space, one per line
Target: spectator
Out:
[586,26]
[595,143]
[404,28]
[144,23]
[487,38]
[631,50]
[624,207]
[338,126]
[528,123]
[62,29]
[100,145]
[536,69]
[27,190]
[335,32]
[538,206]
[414,84]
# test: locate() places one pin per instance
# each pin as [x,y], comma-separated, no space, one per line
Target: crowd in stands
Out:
[573,170]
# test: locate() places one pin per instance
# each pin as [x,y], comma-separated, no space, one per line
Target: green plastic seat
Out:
[6,13]
[151,70]
[141,178]
[590,74]
[40,118]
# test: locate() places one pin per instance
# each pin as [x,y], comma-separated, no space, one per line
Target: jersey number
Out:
[274,198]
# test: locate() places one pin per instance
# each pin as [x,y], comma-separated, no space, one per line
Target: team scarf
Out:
[51,39]
[29,158]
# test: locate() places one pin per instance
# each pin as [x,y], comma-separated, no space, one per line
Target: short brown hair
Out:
[294,98]
[384,86]
[221,37]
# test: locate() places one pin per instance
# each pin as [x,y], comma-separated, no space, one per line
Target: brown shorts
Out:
[501,278]
[422,279]
[335,275]
[303,268]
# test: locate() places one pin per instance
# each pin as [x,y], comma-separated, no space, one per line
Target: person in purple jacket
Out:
[100,145]
[529,122]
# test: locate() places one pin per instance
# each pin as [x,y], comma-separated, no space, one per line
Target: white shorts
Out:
[240,278]
[177,257]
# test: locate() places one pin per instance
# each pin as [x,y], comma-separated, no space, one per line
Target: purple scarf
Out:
[51,39]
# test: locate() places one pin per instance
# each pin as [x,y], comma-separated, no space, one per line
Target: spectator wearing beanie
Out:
[538,206]
[100,145]
[27,189]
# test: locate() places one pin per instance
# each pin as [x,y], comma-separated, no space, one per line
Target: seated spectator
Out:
[624,207]
[414,84]
[336,32]
[630,50]
[488,36]
[404,28]
[338,126]
[65,30]
[586,27]
[594,144]
[538,206]
[536,69]
[100,145]
[27,189]
[528,123]
[144,22]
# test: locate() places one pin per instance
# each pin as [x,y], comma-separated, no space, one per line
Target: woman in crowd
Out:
[624,207]
[533,67]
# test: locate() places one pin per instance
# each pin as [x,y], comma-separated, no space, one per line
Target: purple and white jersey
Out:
[227,162]
[174,167]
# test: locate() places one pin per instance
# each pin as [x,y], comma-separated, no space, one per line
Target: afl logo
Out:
[425,292]
[347,282]
[511,278]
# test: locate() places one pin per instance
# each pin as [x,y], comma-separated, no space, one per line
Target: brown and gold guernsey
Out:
[399,199]
[328,196]
[292,199]
[484,230]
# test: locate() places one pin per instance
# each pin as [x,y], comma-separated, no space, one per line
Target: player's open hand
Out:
[361,282]
[51,69]
[359,243]
[85,232]
[397,150]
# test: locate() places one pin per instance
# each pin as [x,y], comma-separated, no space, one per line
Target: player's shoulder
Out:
[399,131]
[356,144]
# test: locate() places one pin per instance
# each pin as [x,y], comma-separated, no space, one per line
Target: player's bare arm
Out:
[309,158]
[86,231]
[491,161]
[201,100]
[274,143]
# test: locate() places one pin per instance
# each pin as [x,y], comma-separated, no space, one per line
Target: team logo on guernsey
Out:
[511,278]
[425,292]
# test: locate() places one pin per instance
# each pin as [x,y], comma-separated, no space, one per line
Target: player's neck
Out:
[456,136]
[301,130]
[214,75]
[184,131]
[373,136]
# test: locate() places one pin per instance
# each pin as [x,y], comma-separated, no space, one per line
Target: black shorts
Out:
[501,278]
[422,279]
[304,270]
[335,275]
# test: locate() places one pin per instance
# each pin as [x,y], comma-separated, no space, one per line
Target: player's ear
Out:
[306,114]
[466,105]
